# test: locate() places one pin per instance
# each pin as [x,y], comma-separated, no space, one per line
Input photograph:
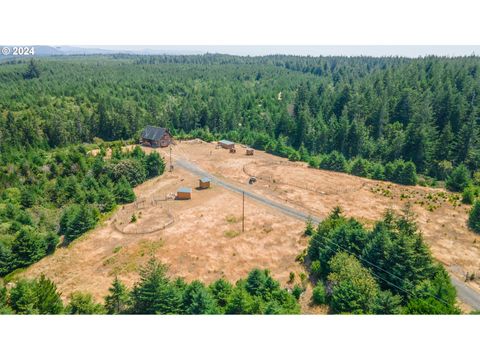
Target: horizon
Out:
[410,51]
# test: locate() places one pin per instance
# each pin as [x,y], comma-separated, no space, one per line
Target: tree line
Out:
[155,293]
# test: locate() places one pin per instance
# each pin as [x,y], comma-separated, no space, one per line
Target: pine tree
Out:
[154,294]
[474,217]
[118,299]
[48,299]
[123,191]
[155,165]
[27,247]
[32,71]
[198,300]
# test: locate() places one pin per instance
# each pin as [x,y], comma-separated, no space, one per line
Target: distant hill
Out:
[43,50]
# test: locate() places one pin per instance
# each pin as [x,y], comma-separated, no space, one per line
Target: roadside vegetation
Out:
[385,270]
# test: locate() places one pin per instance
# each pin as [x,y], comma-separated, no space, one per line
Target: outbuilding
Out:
[249,151]
[204,183]
[184,193]
[156,136]
[226,144]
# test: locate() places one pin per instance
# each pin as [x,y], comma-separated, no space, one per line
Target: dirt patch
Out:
[440,214]
[205,241]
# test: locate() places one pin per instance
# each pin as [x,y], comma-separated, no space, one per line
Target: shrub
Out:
[469,194]
[319,295]
[360,167]
[474,217]
[316,268]
[378,172]
[334,161]
[297,291]
[291,277]
[459,179]
[308,228]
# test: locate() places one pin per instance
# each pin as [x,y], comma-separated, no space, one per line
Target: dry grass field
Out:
[201,238]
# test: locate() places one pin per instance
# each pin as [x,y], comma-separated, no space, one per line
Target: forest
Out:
[64,192]
[410,121]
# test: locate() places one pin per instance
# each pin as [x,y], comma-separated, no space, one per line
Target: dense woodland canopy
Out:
[381,109]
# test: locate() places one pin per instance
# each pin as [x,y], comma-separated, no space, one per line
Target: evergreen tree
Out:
[123,191]
[154,294]
[198,300]
[32,71]
[459,179]
[27,247]
[474,217]
[155,165]
[118,299]
[83,304]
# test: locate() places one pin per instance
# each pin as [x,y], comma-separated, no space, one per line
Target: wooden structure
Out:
[204,183]
[184,193]
[249,151]
[226,144]
[233,151]
[156,136]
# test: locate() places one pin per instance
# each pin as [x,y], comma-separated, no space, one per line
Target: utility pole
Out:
[243,211]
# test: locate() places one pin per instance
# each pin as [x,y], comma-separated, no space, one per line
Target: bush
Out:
[308,228]
[319,295]
[469,194]
[316,268]
[474,217]
[314,162]
[334,161]
[155,165]
[133,170]
[401,172]
[360,167]
[378,172]
[459,179]
[297,291]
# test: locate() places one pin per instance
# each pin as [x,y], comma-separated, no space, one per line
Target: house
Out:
[204,183]
[184,193]
[156,136]
[249,151]
[226,144]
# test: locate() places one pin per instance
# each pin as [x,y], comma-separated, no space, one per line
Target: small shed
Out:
[249,151]
[204,183]
[226,144]
[184,193]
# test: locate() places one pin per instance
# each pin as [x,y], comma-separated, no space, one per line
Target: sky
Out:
[354,50]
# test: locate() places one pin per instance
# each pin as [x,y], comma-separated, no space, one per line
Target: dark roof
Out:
[153,133]
[184,190]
